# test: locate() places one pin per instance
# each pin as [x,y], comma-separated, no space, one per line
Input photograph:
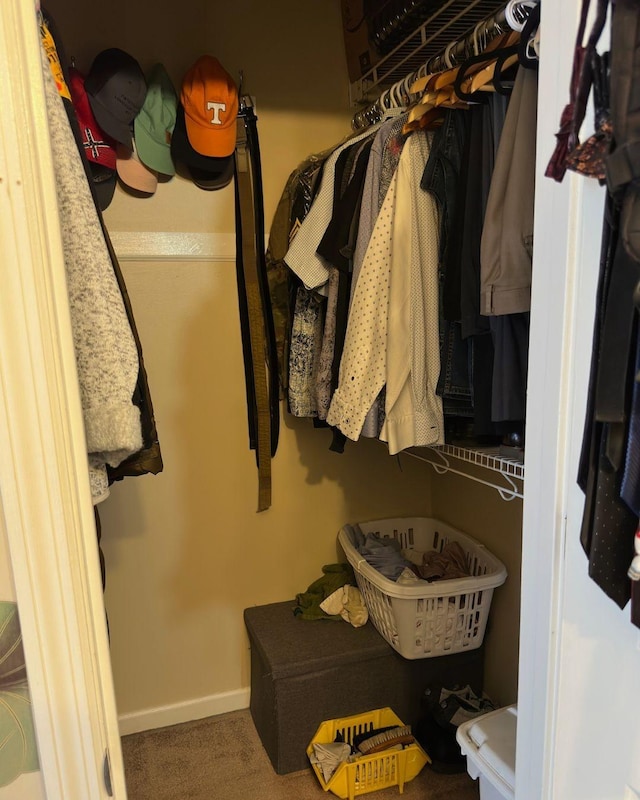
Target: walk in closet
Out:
[185,550]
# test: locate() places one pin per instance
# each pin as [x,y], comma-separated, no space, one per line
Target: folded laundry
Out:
[408,565]
[329,756]
[449,564]
[349,604]
[383,553]
[334,576]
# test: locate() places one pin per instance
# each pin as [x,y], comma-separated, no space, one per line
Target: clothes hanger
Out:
[516,15]
[430,77]
[477,62]
[432,120]
[479,44]
[447,77]
[439,79]
[420,83]
[419,109]
[501,82]
[426,81]
[397,96]
[424,104]
[390,103]
[430,115]
[445,95]
[482,66]
[480,80]
[530,29]
[428,118]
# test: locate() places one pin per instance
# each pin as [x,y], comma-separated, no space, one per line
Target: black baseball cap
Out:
[207,172]
[116,88]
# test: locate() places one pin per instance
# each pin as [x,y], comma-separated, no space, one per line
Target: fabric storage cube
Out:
[305,672]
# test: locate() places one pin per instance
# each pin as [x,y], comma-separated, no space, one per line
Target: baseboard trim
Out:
[162,716]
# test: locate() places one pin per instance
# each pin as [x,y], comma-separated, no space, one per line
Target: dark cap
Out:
[104,184]
[116,88]
[208,172]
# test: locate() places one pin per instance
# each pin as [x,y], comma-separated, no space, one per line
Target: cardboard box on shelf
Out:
[361,54]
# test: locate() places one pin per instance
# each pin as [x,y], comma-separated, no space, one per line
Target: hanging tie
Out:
[581,79]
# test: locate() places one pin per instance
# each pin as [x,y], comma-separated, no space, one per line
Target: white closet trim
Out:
[44,485]
[559,213]
[175,246]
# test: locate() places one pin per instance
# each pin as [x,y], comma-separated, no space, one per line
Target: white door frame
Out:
[559,217]
[43,477]
[44,486]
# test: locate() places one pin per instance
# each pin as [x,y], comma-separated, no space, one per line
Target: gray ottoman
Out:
[304,672]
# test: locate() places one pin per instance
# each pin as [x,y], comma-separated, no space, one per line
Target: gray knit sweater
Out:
[106,354]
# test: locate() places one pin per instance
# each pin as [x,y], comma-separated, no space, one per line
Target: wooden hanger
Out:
[429,120]
[439,80]
[483,80]
[477,72]
[426,102]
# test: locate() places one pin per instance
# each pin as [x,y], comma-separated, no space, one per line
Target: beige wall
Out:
[186,551]
[480,511]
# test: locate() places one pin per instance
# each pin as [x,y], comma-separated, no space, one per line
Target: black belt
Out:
[256,316]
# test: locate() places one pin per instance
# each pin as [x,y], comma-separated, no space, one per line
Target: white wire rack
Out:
[511,470]
[452,20]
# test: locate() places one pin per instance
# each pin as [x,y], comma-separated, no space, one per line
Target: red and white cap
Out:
[98,146]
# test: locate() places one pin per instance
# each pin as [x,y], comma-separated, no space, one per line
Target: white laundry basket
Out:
[426,619]
[489,743]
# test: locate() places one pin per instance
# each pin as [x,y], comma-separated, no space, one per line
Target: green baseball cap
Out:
[154,123]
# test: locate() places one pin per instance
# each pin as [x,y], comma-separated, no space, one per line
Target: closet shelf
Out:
[453,20]
[489,458]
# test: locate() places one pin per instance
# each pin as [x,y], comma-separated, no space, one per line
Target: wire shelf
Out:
[489,458]
[453,20]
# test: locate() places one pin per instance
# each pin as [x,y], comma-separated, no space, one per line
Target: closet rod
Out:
[511,17]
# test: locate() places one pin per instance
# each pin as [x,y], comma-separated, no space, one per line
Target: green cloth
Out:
[334,577]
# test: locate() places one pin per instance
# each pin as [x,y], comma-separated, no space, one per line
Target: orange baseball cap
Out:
[210,100]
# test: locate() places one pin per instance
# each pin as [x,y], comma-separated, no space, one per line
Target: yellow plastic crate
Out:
[373,772]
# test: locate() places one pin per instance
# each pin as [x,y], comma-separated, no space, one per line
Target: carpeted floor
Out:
[222,758]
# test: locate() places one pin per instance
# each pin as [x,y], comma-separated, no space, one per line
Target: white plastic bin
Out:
[489,743]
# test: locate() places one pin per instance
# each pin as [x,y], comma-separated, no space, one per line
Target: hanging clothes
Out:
[397,223]
[386,321]
[302,256]
[383,162]
[413,411]
[148,459]
[608,470]
[308,332]
[292,208]
[507,234]
[337,248]
[105,348]
[304,336]
[442,178]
